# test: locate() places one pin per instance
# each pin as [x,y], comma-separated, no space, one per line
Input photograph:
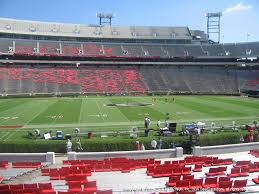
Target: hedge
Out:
[112,144]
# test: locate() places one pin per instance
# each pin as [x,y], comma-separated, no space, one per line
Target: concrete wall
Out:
[163,153]
[30,157]
[224,149]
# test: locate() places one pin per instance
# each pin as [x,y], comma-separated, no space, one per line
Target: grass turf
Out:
[92,114]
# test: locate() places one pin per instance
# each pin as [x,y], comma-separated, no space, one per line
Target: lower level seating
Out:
[115,79]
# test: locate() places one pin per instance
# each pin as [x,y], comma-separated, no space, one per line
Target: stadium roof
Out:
[14,26]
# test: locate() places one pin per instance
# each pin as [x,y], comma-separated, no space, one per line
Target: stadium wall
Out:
[163,153]
[48,157]
[224,149]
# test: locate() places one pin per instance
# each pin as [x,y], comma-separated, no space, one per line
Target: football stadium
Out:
[103,108]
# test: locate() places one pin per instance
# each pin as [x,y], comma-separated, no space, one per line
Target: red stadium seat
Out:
[75,187]
[104,191]
[196,184]
[182,185]
[45,187]
[197,168]
[90,186]
[239,186]
[224,187]
[210,182]
[16,187]
[172,181]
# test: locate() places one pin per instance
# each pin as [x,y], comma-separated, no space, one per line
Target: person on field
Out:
[76,131]
[241,139]
[160,143]
[69,146]
[158,124]
[37,133]
[153,144]
[146,122]
[142,146]
[78,145]
[166,123]
[137,145]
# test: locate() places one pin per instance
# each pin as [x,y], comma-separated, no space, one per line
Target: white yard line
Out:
[81,110]
[100,111]
[5,135]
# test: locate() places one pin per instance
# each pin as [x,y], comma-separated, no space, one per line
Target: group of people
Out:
[156,145]
[147,123]
[158,124]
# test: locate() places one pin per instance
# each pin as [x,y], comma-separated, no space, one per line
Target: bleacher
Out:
[118,79]
[191,174]
[93,49]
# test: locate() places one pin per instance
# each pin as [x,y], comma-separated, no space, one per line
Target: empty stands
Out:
[50,79]
[78,49]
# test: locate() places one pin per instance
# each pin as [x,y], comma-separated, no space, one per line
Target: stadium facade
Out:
[57,58]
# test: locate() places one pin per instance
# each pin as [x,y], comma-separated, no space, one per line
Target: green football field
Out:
[93,114]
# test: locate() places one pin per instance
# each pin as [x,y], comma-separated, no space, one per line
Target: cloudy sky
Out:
[239,21]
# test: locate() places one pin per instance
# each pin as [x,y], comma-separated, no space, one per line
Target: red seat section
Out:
[90,79]
[26,164]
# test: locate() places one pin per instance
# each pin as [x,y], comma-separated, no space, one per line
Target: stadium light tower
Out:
[105,18]
[213,24]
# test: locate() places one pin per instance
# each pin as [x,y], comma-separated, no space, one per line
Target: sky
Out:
[239,21]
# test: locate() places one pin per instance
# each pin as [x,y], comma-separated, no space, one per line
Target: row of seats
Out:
[26,164]
[26,188]
[27,47]
[114,164]
[215,183]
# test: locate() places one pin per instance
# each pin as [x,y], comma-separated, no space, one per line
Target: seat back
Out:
[188,177]
[235,170]
[183,183]
[45,186]
[173,179]
[104,191]
[240,183]
[74,185]
[211,180]
[30,186]
[196,182]
[225,178]
[16,187]
[225,184]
